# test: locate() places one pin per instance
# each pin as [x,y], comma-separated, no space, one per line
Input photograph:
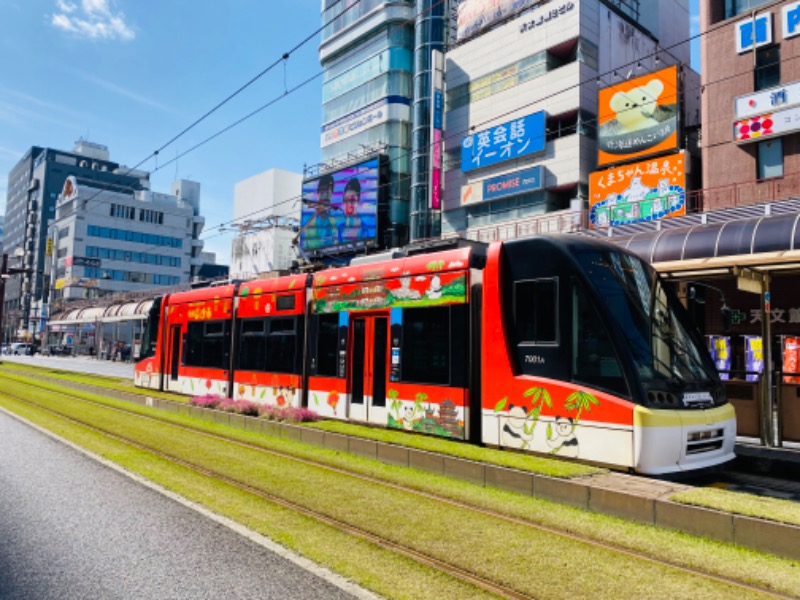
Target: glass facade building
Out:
[367,53]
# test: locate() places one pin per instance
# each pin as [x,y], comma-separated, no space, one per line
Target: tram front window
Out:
[150,334]
[657,332]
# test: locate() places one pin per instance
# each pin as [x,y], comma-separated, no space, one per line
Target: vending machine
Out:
[753,357]
[720,348]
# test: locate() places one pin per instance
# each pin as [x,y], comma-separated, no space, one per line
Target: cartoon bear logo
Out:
[635,108]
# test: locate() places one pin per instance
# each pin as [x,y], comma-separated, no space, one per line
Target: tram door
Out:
[369,368]
[174,357]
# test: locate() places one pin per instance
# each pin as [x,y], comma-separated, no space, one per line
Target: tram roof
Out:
[419,264]
[274,284]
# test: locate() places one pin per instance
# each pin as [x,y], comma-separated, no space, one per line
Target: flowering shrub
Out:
[206,401]
[240,407]
[287,414]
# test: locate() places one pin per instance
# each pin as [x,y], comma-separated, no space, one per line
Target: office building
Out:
[265,209]
[523,113]
[34,184]
[367,51]
[109,240]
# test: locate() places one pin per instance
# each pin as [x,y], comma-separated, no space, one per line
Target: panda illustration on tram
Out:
[558,345]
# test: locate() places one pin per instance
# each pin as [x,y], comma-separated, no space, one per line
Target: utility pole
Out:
[5,273]
[3,277]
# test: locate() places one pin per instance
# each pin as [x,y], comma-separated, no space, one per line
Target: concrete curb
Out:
[619,495]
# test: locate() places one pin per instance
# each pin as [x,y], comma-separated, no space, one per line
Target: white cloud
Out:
[93,19]
[66,7]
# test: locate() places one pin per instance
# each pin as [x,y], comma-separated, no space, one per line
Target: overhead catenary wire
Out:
[449,136]
[494,118]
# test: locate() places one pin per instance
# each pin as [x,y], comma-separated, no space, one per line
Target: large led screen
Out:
[638,118]
[340,210]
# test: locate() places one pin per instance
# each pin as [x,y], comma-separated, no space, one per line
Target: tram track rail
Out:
[762,479]
[341,525]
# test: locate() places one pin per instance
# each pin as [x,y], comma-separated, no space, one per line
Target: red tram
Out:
[560,345]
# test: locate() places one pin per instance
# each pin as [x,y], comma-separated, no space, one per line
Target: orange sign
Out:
[638,118]
[643,191]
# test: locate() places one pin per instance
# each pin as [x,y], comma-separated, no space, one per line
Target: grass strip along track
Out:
[734,502]
[352,521]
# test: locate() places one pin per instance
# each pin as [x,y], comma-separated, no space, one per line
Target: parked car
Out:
[5,349]
[21,348]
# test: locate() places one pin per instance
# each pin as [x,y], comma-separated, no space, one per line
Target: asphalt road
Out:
[81,364]
[71,527]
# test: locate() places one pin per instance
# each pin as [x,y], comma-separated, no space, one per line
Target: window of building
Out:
[206,344]
[121,211]
[770,159]
[768,67]
[738,7]
[147,215]
[536,311]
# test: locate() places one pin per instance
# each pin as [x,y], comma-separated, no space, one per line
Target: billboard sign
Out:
[340,210]
[639,117]
[503,142]
[513,184]
[391,108]
[503,186]
[476,15]
[643,191]
[437,124]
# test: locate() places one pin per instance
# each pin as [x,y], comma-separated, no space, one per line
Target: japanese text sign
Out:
[507,141]
[642,191]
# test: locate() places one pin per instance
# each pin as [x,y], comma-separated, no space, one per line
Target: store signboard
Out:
[391,108]
[507,141]
[754,32]
[766,101]
[503,186]
[755,129]
[513,184]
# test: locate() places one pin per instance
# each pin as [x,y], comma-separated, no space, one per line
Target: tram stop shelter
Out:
[751,266]
[96,330]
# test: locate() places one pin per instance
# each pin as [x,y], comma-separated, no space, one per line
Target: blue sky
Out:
[132,74]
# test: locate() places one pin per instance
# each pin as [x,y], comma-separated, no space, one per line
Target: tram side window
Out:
[253,346]
[536,311]
[206,344]
[281,345]
[327,343]
[425,354]
[594,361]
